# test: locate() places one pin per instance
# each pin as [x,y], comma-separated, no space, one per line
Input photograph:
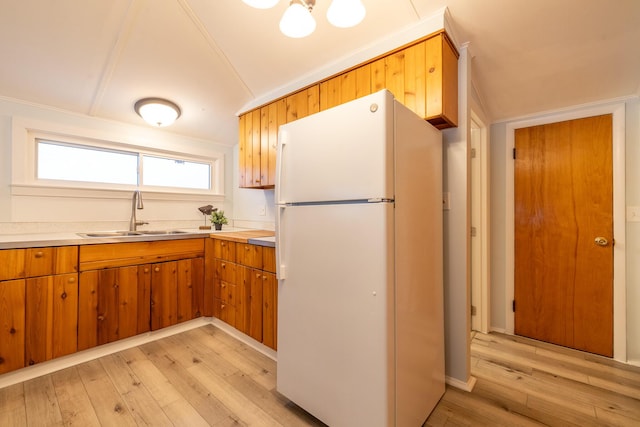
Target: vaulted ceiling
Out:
[213,57]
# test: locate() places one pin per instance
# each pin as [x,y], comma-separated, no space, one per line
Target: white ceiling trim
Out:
[213,45]
[114,55]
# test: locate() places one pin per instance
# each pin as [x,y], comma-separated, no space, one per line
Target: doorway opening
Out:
[480,255]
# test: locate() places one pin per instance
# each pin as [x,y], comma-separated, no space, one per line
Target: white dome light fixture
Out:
[346,13]
[157,111]
[297,21]
[261,4]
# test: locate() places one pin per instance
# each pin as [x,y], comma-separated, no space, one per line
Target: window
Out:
[64,161]
[77,163]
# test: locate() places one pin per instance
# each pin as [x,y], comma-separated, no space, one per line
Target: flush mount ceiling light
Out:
[157,111]
[298,22]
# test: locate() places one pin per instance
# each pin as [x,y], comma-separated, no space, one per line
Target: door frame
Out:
[619,214]
[480,215]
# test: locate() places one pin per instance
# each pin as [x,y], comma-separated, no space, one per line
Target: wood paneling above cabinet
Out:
[422,75]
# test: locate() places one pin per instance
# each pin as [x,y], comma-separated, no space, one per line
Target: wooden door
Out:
[564,234]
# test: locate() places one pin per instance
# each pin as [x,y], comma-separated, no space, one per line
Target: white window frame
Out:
[24,180]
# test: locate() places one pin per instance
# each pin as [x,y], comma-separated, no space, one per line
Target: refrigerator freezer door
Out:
[335,312]
[343,153]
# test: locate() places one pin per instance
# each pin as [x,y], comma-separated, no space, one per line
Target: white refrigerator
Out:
[359,264]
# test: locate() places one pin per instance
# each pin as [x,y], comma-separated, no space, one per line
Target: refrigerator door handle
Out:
[282,141]
[280,264]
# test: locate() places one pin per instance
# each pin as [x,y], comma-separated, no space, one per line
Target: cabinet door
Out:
[441,82]
[190,289]
[51,317]
[109,304]
[164,295]
[303,103]
[269,259]
[270,310]
[12,319]
[254,305]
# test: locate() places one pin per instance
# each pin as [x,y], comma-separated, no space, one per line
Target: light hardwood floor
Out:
[205,377]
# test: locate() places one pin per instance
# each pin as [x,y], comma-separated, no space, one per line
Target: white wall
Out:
[456,235]
[502,249]
[37,213]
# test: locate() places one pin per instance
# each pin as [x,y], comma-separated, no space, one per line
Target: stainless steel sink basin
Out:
[110,234]
[131,233]
[161,232]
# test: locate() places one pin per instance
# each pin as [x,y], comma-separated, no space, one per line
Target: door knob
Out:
[601,241]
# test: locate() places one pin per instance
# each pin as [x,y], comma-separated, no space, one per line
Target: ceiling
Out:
[213,57]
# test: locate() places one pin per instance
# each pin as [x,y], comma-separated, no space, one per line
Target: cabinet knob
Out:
[223,285]
[222,244]
[224,265]
[222,306]
[257,275]
[64,295]
[39,254]
[156,269]
[71,280]
[146,270]
[101,318]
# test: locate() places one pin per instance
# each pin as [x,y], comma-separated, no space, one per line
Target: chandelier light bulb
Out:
[261,4]
[297,21]
[346,13]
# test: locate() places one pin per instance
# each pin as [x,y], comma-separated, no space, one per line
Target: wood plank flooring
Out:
[204,377]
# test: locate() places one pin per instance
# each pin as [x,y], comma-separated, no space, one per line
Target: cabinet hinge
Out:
[473,310]
[513,305]
[474,232]
[473,153]
[514,154]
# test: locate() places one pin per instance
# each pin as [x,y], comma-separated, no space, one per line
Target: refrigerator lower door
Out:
[335,312]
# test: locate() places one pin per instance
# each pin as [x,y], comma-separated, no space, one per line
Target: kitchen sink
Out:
[161,232]
[110,234]
[131,233]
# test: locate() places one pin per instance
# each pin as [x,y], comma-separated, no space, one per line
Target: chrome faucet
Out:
[136,203]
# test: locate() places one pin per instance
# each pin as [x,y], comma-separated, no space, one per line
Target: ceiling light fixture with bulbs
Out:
[157,111]
[297,21]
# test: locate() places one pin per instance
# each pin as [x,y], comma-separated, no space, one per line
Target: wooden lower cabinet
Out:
[246,291]
[12,320]
[51,317]
[121,302]
[114,304]
[177,292]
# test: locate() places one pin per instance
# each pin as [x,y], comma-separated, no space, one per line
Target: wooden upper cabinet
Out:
[442,82]
[423,76]
[345,87]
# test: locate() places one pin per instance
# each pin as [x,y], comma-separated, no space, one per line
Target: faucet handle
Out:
[141,222]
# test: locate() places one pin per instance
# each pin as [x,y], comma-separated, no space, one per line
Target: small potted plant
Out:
[218,218]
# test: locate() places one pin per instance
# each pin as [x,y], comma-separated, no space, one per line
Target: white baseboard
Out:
[465,386]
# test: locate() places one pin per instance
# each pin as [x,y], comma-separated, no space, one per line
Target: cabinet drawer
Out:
[49,261]
[11,264]
[223,249]
[225,271]
[249,255]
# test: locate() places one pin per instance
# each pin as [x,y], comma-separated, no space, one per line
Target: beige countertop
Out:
[37,240]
